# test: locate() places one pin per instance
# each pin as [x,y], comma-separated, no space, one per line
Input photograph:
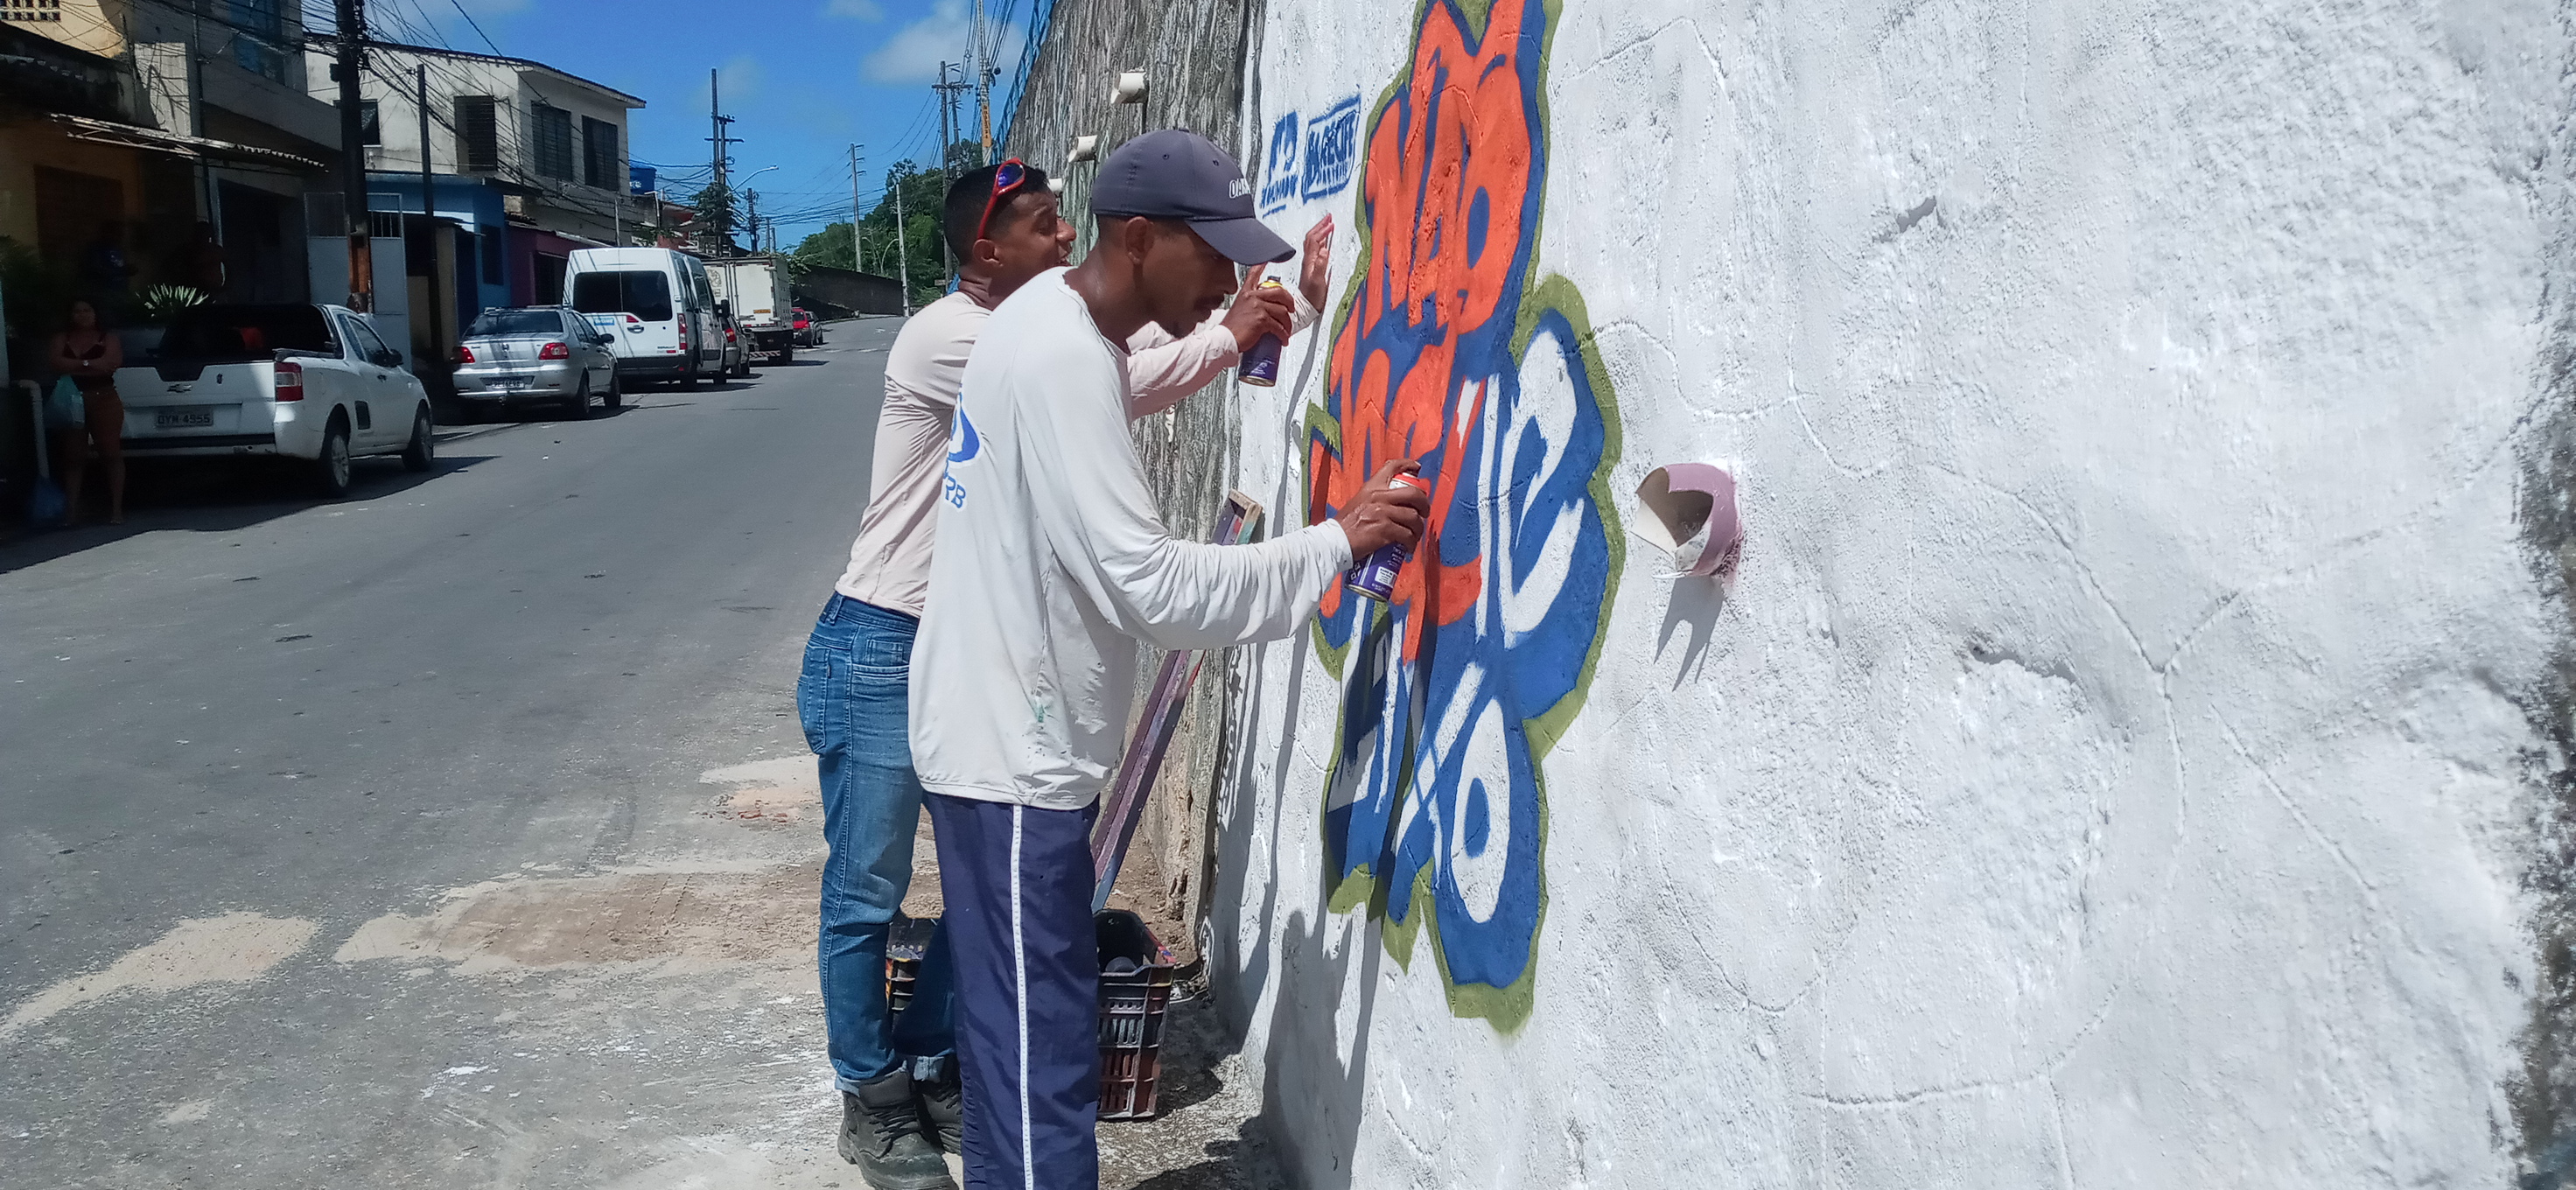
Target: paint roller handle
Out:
[1385,512]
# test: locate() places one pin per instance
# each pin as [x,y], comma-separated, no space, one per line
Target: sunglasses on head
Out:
[1007,178]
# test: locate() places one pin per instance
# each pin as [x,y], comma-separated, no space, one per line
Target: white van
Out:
[656,304]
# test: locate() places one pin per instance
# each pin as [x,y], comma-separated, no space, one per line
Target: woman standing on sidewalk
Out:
[90,355]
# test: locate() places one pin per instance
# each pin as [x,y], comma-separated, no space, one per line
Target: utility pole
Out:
[951,124]
[902,263]
[948,130]
[353,156]
[429,217]
[724,212]
[858,264]
[984,78]
[751,216]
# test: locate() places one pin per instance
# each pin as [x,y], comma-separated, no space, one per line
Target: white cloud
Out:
[857,10]
[740,77]
[915,51]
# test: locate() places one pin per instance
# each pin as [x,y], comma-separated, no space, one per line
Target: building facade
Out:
[205,118]
[550,145]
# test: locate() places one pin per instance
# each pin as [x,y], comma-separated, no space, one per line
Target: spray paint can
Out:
[1261,364]
[1374,577]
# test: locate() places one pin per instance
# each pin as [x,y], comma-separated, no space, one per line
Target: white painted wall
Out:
[2105,770]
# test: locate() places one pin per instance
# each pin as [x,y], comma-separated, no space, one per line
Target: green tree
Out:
[829,248]
[924,189]
[717,206]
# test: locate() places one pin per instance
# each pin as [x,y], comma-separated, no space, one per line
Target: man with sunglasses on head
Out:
[1051,566]
[900,1096]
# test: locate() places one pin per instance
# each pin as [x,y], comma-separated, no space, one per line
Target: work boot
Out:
[943,1109]
[881,1134]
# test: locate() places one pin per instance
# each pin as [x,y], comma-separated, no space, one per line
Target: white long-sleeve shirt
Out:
[890,561]
[1052,565]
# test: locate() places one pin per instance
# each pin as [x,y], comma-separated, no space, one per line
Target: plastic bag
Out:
[45,504]
[64,408]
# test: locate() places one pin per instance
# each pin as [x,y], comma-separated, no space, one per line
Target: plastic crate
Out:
[1131,1014]
[1132,1002]
[906,941]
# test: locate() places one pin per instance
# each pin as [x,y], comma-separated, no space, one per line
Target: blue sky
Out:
[803,79]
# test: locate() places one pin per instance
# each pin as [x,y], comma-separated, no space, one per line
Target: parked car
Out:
[305,382]
[656,304]
[809,333]
[737,355]
[536,354]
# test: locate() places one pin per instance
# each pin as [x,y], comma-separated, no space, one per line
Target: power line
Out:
[478,25]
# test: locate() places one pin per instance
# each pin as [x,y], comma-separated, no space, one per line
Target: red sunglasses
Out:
[1007,178]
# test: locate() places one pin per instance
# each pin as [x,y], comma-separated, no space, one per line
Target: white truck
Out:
[762,309]
[306,382]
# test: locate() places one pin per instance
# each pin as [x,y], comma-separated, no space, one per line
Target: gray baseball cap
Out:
[1174,174]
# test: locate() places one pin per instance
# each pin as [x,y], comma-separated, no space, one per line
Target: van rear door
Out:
[633,306]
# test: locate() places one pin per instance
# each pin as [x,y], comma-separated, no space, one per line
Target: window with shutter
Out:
[554,142]
[478,134]
[599,154]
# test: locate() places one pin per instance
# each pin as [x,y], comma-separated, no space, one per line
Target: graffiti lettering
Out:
[1279,174]
[1453,348]
[1332,144]
[1324,169]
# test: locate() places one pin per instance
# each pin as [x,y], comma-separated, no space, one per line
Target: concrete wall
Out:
[2133,749]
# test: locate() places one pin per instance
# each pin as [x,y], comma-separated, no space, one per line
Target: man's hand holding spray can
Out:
[1261,360]
[1263,314]
[1383,522]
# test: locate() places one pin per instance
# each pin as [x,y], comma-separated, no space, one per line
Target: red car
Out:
[808,333]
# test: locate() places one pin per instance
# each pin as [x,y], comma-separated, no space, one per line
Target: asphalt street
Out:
[459,833]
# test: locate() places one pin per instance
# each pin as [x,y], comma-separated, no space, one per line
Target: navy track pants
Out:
[1017,885]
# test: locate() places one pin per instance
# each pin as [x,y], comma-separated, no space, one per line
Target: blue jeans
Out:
[852,697]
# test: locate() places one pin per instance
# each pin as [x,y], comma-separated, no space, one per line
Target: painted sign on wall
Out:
[1451,349]
[1318,166]
[1279,166]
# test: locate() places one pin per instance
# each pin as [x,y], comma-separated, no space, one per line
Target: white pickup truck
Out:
[313,383]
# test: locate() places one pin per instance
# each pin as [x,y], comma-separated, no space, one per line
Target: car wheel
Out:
[616,394]
[580,410]
[423,449]
[787,354]
[689,380]
[333,469]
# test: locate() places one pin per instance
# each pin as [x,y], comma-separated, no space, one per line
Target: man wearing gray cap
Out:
[1050,565]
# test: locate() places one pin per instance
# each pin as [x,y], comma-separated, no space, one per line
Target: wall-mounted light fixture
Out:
[1690,512]
[1085,148]
[1130,88]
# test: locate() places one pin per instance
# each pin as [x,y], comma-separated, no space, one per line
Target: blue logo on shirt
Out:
[963,445]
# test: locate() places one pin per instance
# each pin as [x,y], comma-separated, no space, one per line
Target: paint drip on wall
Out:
[1452,349]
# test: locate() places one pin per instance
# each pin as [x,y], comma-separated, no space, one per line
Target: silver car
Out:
[536,355]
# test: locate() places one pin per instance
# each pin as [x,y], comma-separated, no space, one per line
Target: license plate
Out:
[513,381]
[183,419]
